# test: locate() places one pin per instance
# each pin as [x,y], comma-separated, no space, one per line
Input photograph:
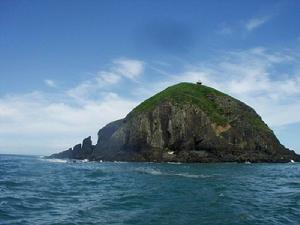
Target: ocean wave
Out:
[55,160]
[149,171]
[176,163]
[192,175]
[3,203]
[160,173]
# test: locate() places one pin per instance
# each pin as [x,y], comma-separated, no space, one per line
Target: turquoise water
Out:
[37,191]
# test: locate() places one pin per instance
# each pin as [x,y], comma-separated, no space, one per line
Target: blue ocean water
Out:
[38,191]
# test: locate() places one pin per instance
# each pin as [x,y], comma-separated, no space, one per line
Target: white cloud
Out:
[224,29]
[256,22]
[249,25]
[82,90]
[30,122]
[129,68]
[121,68]
[50,83]
[108,77]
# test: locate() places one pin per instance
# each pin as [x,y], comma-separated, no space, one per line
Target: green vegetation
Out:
[186,93]
[201,96]
[257,122]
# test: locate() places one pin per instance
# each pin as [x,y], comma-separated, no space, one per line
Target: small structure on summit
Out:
[199,82]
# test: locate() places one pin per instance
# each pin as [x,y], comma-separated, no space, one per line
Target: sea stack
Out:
[186,123]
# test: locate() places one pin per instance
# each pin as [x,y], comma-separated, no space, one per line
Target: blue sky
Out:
[69,67]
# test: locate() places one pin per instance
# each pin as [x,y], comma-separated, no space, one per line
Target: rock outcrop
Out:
[186,123]
[79,151]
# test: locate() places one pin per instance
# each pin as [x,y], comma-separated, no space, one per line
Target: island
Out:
[186,122]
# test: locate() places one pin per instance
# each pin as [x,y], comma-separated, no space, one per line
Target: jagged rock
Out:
[79,151]
[68,154]
[193,122]
[87,147]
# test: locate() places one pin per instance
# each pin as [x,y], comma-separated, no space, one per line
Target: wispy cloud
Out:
[42,124]
[224,29]
[129,68]
[249,25]
[50,83]
[256,22]
[124,68]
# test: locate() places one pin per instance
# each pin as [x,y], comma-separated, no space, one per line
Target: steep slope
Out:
[187,123]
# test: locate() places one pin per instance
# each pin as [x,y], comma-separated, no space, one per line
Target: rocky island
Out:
[186,123]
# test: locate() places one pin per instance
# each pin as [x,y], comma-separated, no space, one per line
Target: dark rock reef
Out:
[186,123]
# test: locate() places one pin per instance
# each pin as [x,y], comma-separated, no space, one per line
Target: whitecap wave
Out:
[55,160]
[150,171]
[160,173]
[187,175]
[192,175]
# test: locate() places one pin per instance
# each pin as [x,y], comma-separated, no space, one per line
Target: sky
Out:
[67,68]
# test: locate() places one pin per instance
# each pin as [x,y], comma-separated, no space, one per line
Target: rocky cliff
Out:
[186,123]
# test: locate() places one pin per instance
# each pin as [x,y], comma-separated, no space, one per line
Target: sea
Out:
[34,190]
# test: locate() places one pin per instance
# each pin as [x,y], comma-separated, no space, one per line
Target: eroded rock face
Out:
[190,135]
[211,127]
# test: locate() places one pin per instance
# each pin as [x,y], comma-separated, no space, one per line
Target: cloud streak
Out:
[123,68]
[256,22]
[50,83]
[129,68]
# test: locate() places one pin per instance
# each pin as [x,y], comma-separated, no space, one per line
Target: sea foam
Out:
[157,172]
[55,160]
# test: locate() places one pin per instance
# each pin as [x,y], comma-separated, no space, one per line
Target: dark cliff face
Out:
[186,123]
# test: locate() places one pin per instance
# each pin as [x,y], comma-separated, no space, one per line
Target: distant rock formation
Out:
[186,123]
[79,151]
